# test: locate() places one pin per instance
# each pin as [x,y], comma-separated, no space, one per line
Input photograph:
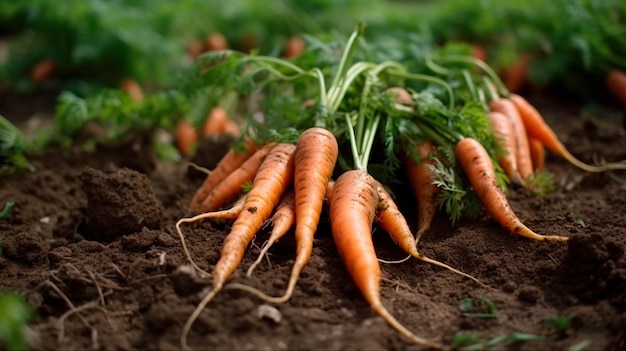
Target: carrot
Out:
[294,47]
[420,178]
[476,163]
[401,95]
[537,153]
[230,162]
[503,130]
[216,42]
[230,127]
[615,83]
[195,48]
[522,150]
[390,219]
[232,186]
[352,210]
[42,70]
[283,219]
[215,122]
[515,77]
[272,180]
[536,127]
[479,52]
[185,137]
[133,89]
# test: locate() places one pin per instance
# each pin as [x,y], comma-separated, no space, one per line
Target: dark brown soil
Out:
[91,244]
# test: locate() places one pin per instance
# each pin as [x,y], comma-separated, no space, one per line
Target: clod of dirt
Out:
[26,247]
[186,282]
[119,203]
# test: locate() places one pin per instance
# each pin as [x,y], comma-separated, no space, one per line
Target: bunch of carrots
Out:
[290,180]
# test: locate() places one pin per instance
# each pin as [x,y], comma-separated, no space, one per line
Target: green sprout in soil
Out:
[470,310]
[8,206]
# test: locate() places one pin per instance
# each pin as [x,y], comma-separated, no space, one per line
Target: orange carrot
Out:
[272,180]
[185,137]
[42,70]
[420,178]
[283,219]
[215,122]
[230,162]
[476,163]
[479,52]
[231,127]
[294,47]
[195,48]
[232,186]
[402,96]
[390,219]
[536,127]
[537,153]
[616,85]
[515,77]
[352,210]
[133,89]
[503,130]
[216,42]
[522,150]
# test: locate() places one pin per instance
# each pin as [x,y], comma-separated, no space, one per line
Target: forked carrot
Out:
[421,180]
[42,70]
[215,122]
[232,186]
[352,210]
[282,220]
[230,162]
[522,150]
[185,137]
[390,219]
[133,89]
[536,127]
[537,153]
[272,180]
[503,130]
[615,83]
[476,163]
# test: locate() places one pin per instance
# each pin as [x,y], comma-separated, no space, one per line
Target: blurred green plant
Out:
[15,313]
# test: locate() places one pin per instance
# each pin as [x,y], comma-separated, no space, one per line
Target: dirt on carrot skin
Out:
[126,292]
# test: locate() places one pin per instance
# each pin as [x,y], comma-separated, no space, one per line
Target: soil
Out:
[91,243]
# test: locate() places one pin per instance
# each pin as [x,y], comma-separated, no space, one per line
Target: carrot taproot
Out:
[390,219]
[522,150]
[216,42]
[282,221]
[536,127]
[421,181]
[515,77]
[232,186]
[185,137]
[615,83]
[42,70]
[132,88]
[294,47]
[232,160]
[537,153]
[503,130]
[273,179]
[475,161]
[352,211]
[215,122]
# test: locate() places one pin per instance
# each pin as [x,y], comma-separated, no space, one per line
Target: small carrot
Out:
[195,48]
[215,122]
[503,130]
[185,137]
[390,219]
[230,162]
[231,127]
[615,83]
[272,180]
[421,180]
[216,42]
[282,220]
[522,150]
[352,211]
[401,95]
[133,89]
[294,47]
[476,163]
[515,77]
[537,153]
[232,186]
[42,70]
[479,52]
[536,127]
